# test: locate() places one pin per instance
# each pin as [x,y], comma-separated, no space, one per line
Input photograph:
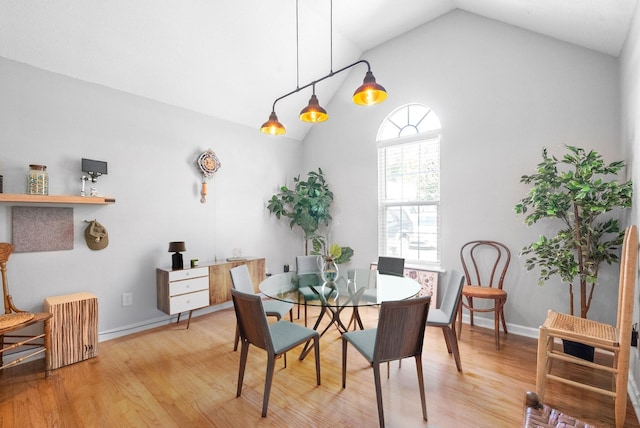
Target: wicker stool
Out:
[540,415]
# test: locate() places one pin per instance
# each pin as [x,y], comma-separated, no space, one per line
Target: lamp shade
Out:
[272,126]
[177,247]
[313,112]
[369,93]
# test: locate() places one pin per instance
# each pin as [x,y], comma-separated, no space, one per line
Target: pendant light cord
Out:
[297,49]
[331,35]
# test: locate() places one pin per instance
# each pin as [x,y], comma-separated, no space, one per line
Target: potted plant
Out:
[575,191]
[308,206]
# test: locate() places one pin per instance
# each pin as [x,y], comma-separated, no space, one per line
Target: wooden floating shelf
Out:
[56,199]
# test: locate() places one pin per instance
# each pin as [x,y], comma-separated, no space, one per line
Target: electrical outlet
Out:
[127,299]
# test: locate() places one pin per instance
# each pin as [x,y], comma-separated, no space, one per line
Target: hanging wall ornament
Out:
[208,163]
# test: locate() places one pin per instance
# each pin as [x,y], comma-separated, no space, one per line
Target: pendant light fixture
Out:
[313,113]
[369,93]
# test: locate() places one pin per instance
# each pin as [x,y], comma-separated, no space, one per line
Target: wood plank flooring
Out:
[173,377]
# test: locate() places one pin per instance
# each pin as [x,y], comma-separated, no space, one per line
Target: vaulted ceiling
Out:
[231,58]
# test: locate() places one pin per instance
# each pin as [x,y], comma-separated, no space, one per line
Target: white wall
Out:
[151,149]
[630,123]
[502,93]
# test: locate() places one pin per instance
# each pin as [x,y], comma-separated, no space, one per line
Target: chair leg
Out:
[421,386]
[504,322]
[244,351]
[377,381]
[459,319]
[305,313]
[316,346]
[496,321]
[235,345]
[470,304]
[344,362]
[452,344]
[291,314]
[545,344]
[271,362]
[621,379]
[47,346]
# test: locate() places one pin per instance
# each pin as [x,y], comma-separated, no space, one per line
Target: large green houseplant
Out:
[308,206]
[575,191]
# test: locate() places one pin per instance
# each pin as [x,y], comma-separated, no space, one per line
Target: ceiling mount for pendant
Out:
[369,93]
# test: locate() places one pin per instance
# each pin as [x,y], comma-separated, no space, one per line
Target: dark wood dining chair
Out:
[391,266]
[276,339]
[400,334]
[241,280]
[485,265]
[444,317]
[15,319]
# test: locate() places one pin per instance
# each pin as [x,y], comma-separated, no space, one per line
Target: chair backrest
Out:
[307,264]
[391,266]
[362,278]
[627,283]
[308,269]
[252,322]
[454,281]
[241,280]
[485,263]
[400,332]
[5,251]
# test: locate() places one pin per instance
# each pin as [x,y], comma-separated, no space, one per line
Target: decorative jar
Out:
[329,269]
[38,180]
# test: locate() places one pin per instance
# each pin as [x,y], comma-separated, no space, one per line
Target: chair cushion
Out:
[437,317]
[363,340]
[11,320]
[286,335]
[276,308]
[483,292]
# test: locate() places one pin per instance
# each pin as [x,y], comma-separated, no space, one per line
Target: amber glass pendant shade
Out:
[273,126]
[313,113]
[369,93]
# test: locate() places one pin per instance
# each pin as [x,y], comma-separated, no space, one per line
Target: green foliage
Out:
[308,206]
[574,190]
[336,252]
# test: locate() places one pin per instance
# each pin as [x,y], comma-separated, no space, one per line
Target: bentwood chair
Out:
[610,339]
[15,319]
[485,265]
[400,334]
[241,280]
[276,339]
[445,316]
[391,266]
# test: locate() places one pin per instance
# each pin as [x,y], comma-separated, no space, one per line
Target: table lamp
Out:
[176,259]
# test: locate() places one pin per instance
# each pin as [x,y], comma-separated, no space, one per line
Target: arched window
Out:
[409,184]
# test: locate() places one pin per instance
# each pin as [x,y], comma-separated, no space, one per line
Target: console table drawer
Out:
[189,285]
[179,275]
[188,302]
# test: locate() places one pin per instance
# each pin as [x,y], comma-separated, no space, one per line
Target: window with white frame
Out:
[409,185]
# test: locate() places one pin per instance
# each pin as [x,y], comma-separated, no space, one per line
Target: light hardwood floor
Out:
[173,377]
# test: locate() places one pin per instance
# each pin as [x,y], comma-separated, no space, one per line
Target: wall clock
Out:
[208,163]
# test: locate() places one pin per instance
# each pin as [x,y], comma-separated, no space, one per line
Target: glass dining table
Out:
[358,287]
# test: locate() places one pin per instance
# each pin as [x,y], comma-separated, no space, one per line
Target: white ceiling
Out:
[230,58]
